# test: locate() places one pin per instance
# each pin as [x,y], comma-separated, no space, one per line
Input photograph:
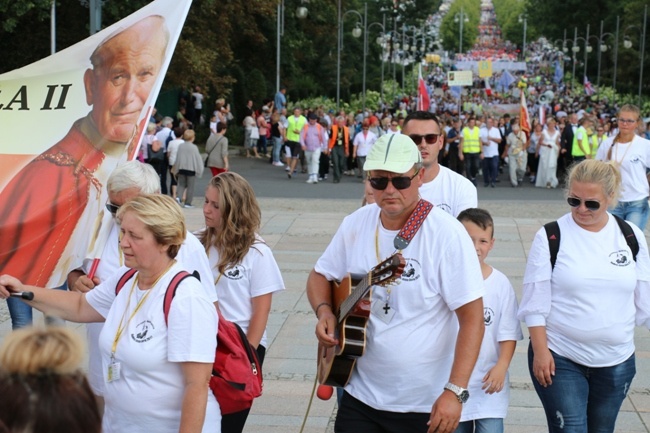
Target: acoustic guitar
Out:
[351,305]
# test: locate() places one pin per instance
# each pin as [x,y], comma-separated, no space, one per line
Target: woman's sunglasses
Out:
[400,182]
[589,204]
[429,138]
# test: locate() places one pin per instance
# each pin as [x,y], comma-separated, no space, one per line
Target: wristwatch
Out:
[461,393]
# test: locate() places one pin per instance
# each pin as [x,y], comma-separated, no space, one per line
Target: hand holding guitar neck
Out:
[352,309]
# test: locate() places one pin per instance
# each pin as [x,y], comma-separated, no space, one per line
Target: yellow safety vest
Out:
[575,149]
[295,125]
[471,140]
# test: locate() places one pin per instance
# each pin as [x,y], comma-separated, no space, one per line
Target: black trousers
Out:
[356,417]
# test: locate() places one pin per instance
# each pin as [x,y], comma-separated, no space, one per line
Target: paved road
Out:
[272,182]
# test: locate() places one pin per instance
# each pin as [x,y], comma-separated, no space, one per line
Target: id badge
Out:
[114,371]
[383,311]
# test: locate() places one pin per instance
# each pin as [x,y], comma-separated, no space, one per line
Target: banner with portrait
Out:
[68,120]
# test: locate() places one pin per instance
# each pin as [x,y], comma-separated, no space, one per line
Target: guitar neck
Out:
[359,291]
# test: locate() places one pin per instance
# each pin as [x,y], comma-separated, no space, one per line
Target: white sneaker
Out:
[278,164]
[188,206]
[310,180]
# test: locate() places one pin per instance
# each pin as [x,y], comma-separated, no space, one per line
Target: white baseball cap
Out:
[396,153]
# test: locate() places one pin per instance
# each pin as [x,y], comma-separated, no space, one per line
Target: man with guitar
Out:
[425,330]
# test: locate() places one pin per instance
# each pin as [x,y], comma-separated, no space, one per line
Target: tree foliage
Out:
[224,41]
[450,27]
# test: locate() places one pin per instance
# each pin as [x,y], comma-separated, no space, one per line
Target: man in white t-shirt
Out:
[490,138]
[424,333]
[165,135]
[441,186]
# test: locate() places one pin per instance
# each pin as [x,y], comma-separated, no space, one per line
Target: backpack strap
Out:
[553,236]
[122,281]
[171,290]
[629,235]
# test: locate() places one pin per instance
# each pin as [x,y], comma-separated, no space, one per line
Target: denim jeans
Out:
[635,212]
[583,399]
[277,146]
[490,170]
[21,313]
[484,425]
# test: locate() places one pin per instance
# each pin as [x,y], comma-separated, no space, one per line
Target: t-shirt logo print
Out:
[488,316]
[412,271]
[620,258]
[143,332]
[236,273]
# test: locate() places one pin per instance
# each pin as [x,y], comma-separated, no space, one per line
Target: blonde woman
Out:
[42,387]
[146,358]
[631,154]
[245,272]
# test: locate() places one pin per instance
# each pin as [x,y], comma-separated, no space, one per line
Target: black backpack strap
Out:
[629,235]
[122,281]
[553,236]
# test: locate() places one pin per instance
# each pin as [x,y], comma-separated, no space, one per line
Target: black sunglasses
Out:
[112,208]
[429,138]
[400,182]
[589,204]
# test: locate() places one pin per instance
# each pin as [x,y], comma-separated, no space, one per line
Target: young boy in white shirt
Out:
[489,387]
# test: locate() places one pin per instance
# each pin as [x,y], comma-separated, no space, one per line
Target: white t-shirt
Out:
[191,256]
[149,393]
[172,149]
[363,144]
[163,135]
[633,159]
[590,301]
[501,324]
[450,192]
[258,274]
[407,361]
[198,100]
[490,148]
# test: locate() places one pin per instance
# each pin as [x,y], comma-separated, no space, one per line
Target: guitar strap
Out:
[412,225]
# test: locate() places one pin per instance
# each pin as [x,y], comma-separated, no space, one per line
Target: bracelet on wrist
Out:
[322,304]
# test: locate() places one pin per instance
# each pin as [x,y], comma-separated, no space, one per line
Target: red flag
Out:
[524,119]
[423,93]
[589,89]
[488,88]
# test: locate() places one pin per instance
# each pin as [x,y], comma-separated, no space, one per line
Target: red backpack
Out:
[236,373]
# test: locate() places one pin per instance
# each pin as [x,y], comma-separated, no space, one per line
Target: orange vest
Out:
[335,133]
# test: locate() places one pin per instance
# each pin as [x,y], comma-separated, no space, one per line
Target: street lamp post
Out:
[461,18]
[301,13]
[628,44]
[574,49]
[602,47]
[523,18]
[367,28]
[645,15]
[356,33]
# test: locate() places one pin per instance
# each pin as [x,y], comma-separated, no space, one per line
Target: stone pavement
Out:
[299,230]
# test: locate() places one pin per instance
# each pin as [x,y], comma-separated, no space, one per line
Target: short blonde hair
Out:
[162,216]
[42,387]
[189,135]
[605,174]
[37,351]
